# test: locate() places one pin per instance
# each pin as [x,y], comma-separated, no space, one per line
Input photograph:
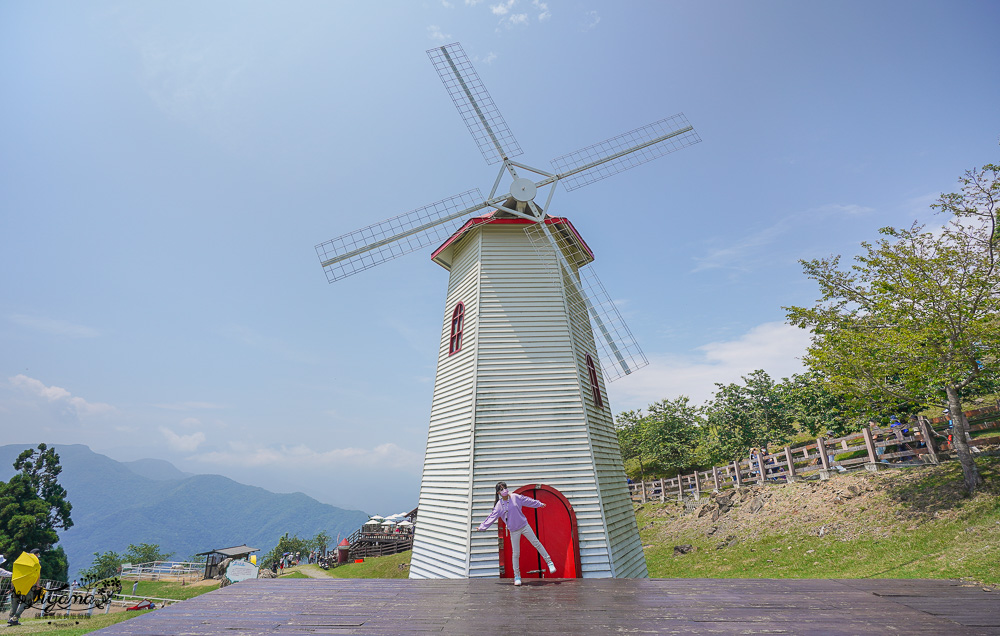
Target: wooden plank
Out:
[578,606]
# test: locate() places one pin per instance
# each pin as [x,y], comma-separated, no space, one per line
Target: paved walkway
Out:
[579,606]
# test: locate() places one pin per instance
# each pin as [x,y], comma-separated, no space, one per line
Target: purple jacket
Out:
[510,512]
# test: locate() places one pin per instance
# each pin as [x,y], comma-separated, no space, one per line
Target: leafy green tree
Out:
[818,407]
[917,317]
[746,415]
[629,426]
[285,544]
[145,553]
[671,433]
[104,565]
[33,507]
[320,542]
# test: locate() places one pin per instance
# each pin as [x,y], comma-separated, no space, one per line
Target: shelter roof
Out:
[233,551]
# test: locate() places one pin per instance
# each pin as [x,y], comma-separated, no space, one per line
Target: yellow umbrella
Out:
[26,570]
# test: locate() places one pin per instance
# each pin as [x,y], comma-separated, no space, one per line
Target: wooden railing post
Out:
[643,491]
[928,435]
[790,463]
[760,466]
[663,490]
[739,478]
[715,478]
[824,472]
[870,445]
[697,487]
[680,487]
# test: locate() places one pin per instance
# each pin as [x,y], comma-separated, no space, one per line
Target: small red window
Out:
[457,325]
[595,387]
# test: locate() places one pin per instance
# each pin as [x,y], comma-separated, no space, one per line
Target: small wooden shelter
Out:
[217,556]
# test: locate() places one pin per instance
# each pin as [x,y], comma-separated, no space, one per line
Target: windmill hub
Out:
[523,190]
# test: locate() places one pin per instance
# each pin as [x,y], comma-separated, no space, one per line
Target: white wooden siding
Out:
[441,544]
[522,411]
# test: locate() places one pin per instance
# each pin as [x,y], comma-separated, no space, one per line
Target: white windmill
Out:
[519,392]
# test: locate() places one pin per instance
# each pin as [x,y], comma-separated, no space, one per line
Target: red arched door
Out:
[555,526]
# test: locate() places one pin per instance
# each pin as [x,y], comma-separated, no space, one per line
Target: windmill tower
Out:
[529,337]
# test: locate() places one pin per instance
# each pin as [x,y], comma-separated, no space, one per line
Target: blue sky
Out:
[167,168]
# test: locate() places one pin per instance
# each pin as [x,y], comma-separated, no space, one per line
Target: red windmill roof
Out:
[490,218]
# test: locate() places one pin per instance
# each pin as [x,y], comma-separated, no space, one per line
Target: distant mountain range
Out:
[151,501]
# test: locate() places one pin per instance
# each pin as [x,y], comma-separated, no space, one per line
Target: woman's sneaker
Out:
[552,568]
[517,582]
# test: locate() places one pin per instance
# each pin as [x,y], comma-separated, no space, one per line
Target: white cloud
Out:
[518,18]
[435,33]
[183,443]
[503,8]
[246,455]
[472,3]
[489,59]
[543,10]
[59,396]
[54,327]
[775,347]
[446,4]
[590,21]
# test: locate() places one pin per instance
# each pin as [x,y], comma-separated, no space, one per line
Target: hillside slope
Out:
[899,523]
[116,504]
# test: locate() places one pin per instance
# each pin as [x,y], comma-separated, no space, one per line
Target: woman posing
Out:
[508,507]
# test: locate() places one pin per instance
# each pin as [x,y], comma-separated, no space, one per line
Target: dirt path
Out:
[313,571]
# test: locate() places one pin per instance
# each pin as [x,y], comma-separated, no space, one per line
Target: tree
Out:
[917,317]
[817,406]
[670,434]
[285,544]
[33,507]
[748,415]
[105,565]
[320,542]
[629,426]
[145,553]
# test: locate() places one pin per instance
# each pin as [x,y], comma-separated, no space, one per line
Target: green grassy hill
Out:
[900,523]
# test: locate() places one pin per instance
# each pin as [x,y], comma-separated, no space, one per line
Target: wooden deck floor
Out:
[577,606]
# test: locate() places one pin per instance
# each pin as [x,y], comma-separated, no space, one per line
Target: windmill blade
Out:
[625,151]
[474,103]
[617,349]
[373,245]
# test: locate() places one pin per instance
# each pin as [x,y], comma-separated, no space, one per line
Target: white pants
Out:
[515,548]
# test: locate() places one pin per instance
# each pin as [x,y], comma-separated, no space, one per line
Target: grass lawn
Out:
[74,625]
[904,523]
[293,574]
[169,589]
[386,567]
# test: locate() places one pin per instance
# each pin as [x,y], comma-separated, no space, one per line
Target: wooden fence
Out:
[871,448]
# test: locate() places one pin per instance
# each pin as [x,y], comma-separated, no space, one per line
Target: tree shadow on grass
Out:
[941,488]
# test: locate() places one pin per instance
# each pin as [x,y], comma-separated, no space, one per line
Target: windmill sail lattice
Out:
[380,242]
[618,350]
[474,103]
[625,151]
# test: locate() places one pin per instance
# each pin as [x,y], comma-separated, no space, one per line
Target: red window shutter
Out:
[457,326]
[595,386]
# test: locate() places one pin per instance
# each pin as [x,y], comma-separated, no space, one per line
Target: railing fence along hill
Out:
[182,571]
[818,459]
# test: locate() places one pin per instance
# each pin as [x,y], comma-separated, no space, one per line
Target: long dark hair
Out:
[500,486]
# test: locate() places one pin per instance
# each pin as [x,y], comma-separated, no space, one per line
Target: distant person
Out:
[508,506]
